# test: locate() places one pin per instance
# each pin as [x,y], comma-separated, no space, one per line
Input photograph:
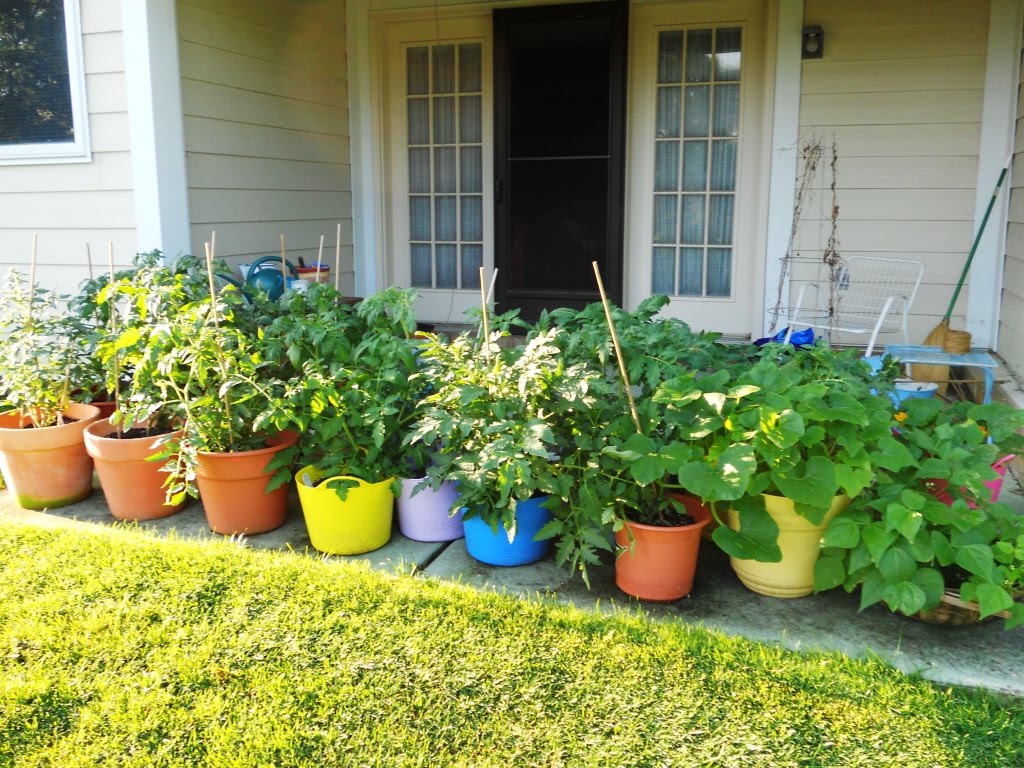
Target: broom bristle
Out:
[928,372]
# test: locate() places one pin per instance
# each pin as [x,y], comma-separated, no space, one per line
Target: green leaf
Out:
[976,559]
[829,573]
[992,599]
[877,539]
[905,597]
[944,552]
[647,469]
[842,532]
[727,480]
[892,455]
[814,485]
[872,589]
[896,565]
[757,538]
[899,518]
[931,583]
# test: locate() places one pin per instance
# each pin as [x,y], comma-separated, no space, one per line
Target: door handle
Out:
[499,191]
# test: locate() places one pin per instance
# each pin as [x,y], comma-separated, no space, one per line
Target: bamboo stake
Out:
[88,260]
[337,259]
[490,295]
[216,324]
[67,386]
[319,258]
[32,280]
[618,349]
[483,307]
[113,334]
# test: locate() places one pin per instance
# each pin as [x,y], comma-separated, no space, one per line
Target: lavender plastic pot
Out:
[424,516]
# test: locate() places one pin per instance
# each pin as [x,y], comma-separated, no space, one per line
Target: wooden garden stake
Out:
[337,259]
[216,324]
[320,257]
[618,349]
[32,280]
[483,307]
[113,332]
[88,260]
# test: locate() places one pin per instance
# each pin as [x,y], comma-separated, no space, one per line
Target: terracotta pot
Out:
[47,467]
[658,562]
[132,486]
[233,487]
[799,541]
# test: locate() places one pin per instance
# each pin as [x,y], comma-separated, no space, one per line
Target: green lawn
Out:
[116,649]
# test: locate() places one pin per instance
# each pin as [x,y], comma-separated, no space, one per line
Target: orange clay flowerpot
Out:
[659,562]
[132,486]
[233,487]
[47,467]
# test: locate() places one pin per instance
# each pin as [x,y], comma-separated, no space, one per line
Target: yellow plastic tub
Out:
[360,523]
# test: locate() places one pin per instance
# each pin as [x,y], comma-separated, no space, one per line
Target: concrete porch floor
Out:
[982,656]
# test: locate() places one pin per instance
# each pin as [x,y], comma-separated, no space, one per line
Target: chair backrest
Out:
[866,283]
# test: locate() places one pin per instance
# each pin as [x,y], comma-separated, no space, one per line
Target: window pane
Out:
[469,67]
[472,218]
[695,166]
[419,218]
[693,219]
[666,166]
[727,110]
[444,120]
[719,271]
[698,104]
[421,266]
[720,220]
[727,54]
[444,69]
[471,172]
[419,170]
[670,57]
[698,56]
[667,121]
[723,165]
[419,121]
[472,260]
[691,272]
[663,271]
[444,169]
[35,84]
[470,122]
[444,218]
[418,70]
[665,219]
[446,266]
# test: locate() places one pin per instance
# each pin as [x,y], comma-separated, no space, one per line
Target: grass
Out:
[116,649]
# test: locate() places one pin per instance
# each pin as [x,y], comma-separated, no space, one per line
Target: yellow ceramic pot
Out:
[360,523]
[799,541]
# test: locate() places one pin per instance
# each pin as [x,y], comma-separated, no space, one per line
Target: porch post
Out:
[784,150]
[998,120]
[153,83]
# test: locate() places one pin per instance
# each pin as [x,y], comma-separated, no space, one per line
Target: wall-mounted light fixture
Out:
[813,43]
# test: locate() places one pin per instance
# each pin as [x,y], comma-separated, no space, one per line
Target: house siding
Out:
[265,95]
[899,92]
[70,205]
[1011,315]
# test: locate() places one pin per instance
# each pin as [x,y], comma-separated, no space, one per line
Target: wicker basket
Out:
[954,612]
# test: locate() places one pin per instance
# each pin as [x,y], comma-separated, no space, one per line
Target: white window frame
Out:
[77,151]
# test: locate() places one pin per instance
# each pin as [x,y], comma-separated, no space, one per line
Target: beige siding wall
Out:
[70,205]
[1011,315]
[265,95]
[899,92]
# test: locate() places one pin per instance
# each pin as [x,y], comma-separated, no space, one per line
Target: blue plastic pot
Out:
[495,549]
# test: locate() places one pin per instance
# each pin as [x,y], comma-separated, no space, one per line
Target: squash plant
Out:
[903,546]
[46,353]
[349,388]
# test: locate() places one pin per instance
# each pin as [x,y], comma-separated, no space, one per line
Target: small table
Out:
[976,358]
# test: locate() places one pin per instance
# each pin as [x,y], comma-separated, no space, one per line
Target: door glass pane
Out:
[723,165]
[693,220]
[719,272]
[446,265]
[471,171]
[697,110]
[472,217]
[421,265]
[444,120]
[470,123]
[419,218]
[419,121]
[665,219]
[695,166]
[727,110]
[470,77]
[670,57]
[472,260]
[727,54]
[417,71]
[663,271]
[444,217]
[698,56]
[444,169]
[691,271]
[720,220]
[668,112]
[666,166]
[444,69]
[419,170]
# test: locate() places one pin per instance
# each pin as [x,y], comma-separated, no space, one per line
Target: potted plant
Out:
[786,443]
[42,452]
[905,547]
[499,418]
[351,397]
[204,367]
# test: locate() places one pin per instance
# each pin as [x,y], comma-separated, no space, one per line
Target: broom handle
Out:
[977,237]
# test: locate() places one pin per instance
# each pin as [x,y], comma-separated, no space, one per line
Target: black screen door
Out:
[559,153]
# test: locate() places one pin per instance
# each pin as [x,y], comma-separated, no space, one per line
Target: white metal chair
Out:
[872,295]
